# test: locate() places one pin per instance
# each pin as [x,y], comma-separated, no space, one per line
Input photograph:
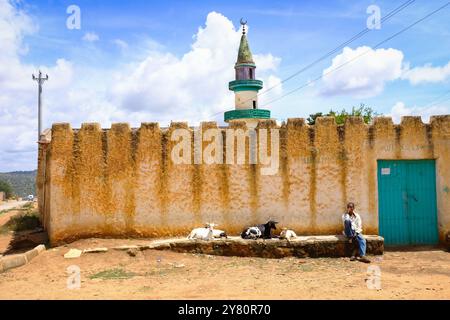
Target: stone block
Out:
[40,248]
[30,255]
[14,261]
[73,253]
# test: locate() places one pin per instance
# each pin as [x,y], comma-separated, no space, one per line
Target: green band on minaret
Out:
[247,114]
[245,85]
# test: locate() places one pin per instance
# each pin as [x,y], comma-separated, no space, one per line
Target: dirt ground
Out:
[167,275]
[6,237]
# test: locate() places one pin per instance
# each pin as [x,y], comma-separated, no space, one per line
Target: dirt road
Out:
[12,205]
[5,238]
[168,275]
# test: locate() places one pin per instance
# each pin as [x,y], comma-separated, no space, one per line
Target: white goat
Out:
[216,232]
[287,234]
[206,233]
[219,233]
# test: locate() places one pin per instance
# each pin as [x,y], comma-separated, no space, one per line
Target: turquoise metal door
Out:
[407,202]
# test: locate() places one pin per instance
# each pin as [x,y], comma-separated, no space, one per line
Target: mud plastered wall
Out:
[122,182]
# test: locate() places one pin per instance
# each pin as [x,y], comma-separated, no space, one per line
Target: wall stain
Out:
[197,190]
[225,184]
[107,205]
[371,175]
[312,179]
[429,133]
[398,138]
[163,178]
[342,159]
[371,136]
[73,172]
[284,166]
[253,181]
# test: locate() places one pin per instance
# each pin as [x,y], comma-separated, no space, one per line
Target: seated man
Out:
[353,229]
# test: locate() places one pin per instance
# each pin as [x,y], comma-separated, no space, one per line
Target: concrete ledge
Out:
[18,260]
[311,246]
[29,255]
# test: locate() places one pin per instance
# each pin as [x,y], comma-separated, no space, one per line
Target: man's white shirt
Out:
[355,219]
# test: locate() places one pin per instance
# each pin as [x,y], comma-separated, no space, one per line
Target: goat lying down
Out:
[260,231]
[251,233]
[207,233]
[287,234]
[219,234]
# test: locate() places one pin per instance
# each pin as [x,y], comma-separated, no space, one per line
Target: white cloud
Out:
[427,73]
[14,25]
[364,73]
[123,45]
[194,86]
[157,87]
[400,109]
[61,74]
[266,61]
[91,37]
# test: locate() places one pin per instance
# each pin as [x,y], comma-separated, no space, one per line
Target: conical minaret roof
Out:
[244,55]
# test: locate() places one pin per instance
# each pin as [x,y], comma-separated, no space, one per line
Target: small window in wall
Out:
[254,104]
[251,73]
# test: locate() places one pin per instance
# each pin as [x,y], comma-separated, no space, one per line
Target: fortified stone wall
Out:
[122,182]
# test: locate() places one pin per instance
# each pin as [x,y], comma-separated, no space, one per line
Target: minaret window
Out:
[254,104]
[251,73]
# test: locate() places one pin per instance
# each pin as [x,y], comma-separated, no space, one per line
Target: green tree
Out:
[312,118]
[367,113]
[6,188]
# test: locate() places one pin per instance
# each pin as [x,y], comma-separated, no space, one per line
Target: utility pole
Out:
[40,80]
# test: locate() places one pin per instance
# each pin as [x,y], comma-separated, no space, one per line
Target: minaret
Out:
[246,87]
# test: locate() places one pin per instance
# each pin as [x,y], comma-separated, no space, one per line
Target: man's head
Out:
[350,207]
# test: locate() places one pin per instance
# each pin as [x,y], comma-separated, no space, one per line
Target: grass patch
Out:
[146,288]
[113,274]
[27,220]
[232,264]
[162,271]
[28,206]
[305,268]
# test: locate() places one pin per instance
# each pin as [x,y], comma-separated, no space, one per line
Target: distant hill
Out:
[23,183]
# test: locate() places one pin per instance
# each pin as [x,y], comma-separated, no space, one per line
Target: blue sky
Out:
[140,61]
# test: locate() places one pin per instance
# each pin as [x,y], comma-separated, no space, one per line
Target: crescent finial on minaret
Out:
[243,23]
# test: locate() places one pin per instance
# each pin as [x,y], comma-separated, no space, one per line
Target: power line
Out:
[336,49]
[448,98]
[360,55]
[438,100]
[342,45]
